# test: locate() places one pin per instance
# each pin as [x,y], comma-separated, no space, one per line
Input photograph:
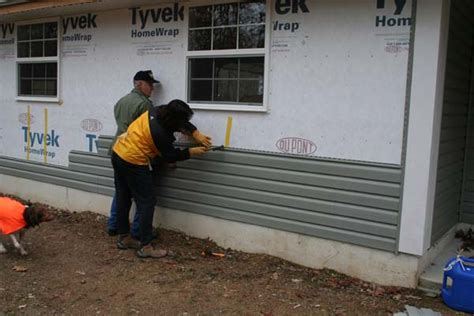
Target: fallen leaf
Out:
[19,269]
[378,291]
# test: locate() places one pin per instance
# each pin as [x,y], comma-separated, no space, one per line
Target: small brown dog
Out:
[15,218]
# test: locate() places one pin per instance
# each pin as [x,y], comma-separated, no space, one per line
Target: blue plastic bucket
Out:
[458,284]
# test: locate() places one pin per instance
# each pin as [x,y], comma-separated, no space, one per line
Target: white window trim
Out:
[57,59]
[231,52]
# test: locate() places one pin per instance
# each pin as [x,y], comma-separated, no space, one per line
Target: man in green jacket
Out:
[127,110]
[137,102]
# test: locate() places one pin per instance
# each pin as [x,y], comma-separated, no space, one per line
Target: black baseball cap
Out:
[145,75]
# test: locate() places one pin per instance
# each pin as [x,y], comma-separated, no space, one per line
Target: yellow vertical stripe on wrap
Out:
[28,140]
[45,156]
[227,133]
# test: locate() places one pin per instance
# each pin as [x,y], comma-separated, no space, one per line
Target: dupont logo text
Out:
[91,125]
[23,118]
[296,145]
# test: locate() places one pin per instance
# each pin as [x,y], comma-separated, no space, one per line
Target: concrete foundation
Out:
[372,265]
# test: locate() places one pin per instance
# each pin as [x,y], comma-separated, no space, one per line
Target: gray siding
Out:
[467,203]
[346,201]
[452,151]
[57,175]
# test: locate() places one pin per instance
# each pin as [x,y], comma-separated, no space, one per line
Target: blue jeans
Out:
[112,222]
[134,182]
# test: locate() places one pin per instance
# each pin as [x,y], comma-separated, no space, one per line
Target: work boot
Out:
[127,242]
[149,251]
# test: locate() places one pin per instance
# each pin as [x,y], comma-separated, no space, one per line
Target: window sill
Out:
[40,99]
[226,107]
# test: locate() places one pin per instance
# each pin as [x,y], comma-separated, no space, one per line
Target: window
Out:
[226,55]
[238,80]
[37,60]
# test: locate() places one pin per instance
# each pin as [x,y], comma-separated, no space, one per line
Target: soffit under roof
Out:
[36,9]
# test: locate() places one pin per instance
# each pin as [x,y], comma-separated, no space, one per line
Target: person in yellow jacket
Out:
[149,136]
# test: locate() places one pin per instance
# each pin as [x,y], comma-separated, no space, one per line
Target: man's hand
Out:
[202,139]
[197,151]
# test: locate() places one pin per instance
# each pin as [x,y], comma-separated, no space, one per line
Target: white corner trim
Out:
[426,102]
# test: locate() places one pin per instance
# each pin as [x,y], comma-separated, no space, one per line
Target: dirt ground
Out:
[73,267]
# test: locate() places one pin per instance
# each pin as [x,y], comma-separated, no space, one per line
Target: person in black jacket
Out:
[149,136]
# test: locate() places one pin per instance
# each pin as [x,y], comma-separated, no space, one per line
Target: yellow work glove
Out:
[202,139]
[197,151]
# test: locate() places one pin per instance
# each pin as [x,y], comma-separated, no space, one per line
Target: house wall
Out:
[452,167]
[424,124]
[336,82]
[467,202]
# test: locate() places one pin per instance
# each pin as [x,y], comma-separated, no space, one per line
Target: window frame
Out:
[230,53]
[31,60]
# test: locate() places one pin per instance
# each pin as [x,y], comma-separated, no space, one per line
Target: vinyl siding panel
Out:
[340,200]
[454,131]
[465,24]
